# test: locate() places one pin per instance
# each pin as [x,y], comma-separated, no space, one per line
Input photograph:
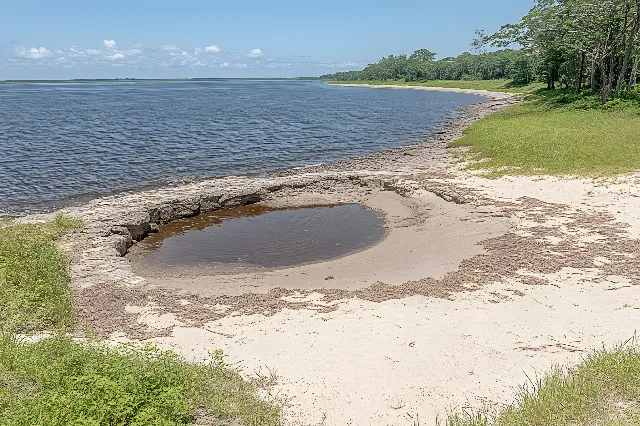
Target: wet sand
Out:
[426,237]
[478,285]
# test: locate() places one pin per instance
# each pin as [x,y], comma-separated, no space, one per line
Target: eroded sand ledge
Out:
[540,270]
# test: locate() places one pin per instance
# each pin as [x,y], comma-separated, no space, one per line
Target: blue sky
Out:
[251,38]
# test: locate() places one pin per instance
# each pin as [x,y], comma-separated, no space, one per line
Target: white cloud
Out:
[115,56]
[133,51]
[33,53]
[110,53]
[169,47]
[255,53]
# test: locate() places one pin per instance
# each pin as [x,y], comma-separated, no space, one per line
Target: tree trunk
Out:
[634,72]
[611,67]
[627,54]
[604,93]
[592,82]
[607,85]
[579,88]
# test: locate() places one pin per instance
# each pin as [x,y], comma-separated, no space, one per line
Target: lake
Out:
[62,143]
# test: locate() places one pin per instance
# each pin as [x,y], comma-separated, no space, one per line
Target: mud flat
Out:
[477,285]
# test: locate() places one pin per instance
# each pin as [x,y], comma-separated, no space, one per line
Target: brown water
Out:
[261,236]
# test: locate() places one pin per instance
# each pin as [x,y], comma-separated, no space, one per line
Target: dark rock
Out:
[210,203]
[177,209]
[240,200]
[122,243]
[138,232]
[120,230]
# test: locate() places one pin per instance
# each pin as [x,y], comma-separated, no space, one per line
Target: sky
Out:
[66,39]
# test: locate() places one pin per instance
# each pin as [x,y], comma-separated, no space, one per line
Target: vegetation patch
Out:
[604,390]
[34,275]
[57,381]
[557,133]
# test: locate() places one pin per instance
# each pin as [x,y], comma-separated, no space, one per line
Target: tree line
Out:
[421,65]
[578,44]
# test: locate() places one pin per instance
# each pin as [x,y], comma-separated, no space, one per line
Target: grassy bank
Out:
[490,85]
[604,390]
[553,132]
[556,133]
[58,381]
[34,276]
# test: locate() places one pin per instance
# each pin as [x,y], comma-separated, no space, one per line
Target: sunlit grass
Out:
[34,275]
[58,382]
[535,138]
[604,390]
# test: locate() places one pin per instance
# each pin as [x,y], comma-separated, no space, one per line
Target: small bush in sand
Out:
[34,275]
[603,390]
[57,381]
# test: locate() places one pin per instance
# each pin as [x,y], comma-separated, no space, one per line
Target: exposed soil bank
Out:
[479,283]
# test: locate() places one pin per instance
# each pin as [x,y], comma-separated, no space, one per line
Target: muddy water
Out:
[259,236]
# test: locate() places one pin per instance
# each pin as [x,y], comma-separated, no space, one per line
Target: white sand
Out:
[384,363]
[407,253]
[485,93]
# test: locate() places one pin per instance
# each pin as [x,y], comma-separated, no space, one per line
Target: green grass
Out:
[490,85]
[34,276]
[556,134]
[59,382]
[602,391]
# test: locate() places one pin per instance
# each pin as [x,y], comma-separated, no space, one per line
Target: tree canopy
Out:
[421,65]
[579,41]
[565,43]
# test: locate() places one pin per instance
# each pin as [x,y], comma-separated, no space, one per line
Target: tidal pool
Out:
[261,236]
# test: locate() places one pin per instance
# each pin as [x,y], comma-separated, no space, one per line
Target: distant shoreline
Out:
[137,80]
[485,93]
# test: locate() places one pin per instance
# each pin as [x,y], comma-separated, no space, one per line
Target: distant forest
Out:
[421,65]
[574,44]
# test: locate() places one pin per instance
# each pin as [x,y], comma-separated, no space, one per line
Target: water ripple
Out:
[60,142]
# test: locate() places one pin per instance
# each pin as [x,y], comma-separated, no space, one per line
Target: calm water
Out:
[61,143]
[260,236]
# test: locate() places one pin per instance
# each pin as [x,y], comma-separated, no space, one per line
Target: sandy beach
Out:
[478,285]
